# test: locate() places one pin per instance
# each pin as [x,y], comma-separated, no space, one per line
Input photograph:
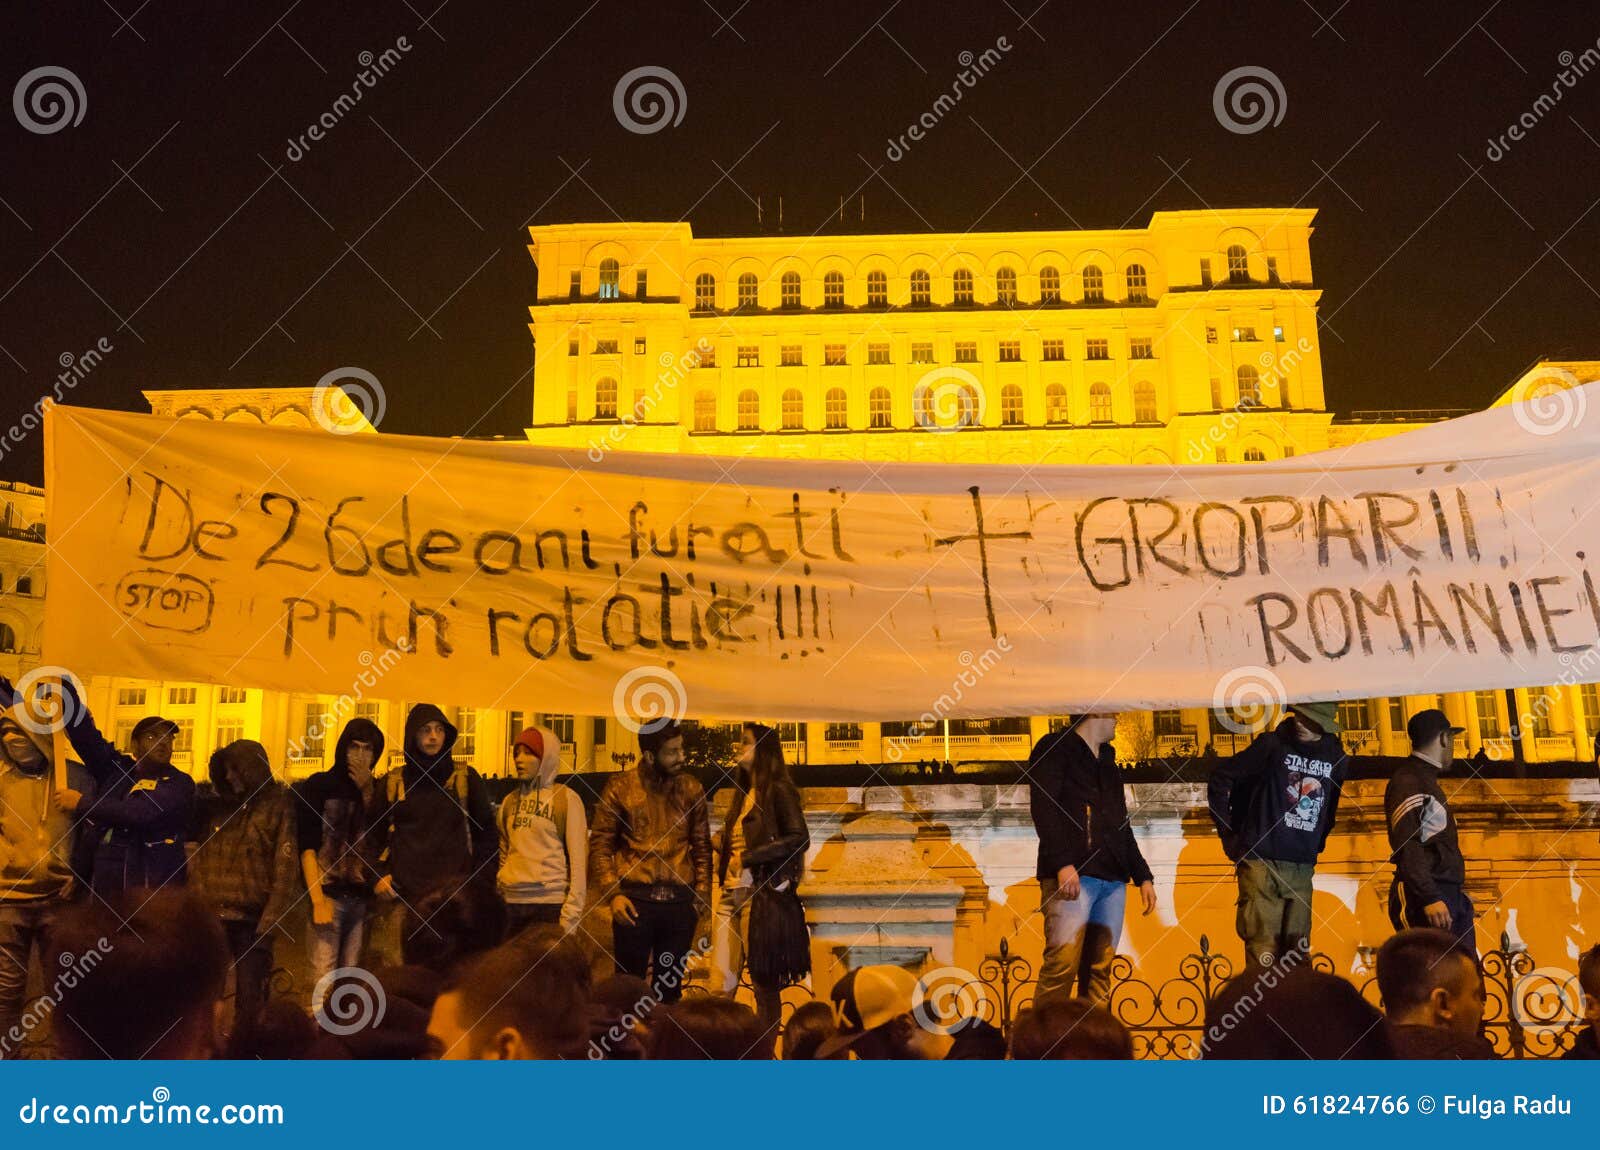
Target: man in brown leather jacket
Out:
[650,856]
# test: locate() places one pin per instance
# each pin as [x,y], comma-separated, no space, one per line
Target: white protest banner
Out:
[1458,557]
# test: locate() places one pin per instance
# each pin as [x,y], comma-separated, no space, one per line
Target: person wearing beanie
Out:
[1274,804]
[544,839]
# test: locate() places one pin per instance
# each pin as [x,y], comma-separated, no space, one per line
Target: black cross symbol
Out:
[983,552]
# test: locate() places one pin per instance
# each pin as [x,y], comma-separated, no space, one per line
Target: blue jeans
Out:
[1080,939]
[339,944]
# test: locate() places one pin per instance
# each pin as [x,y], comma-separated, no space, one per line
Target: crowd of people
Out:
[439,923]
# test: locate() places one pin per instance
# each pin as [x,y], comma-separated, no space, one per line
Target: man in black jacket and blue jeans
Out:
[1087,856]
[1273,804]
[1429,870]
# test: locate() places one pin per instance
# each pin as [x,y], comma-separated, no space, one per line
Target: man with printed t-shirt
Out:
[1273,804]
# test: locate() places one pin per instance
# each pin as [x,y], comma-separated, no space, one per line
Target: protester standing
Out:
[544,839]
[1430,873]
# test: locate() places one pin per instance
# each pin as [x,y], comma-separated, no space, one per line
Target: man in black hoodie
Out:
[1429,871]
[1273,804]
[1087,856]
[435,830]
[336,812]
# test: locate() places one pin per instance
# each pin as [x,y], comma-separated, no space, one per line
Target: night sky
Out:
[171,223]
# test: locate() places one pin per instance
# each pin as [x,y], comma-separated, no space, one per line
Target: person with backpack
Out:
[435,830]
[544,839]
[1274,804]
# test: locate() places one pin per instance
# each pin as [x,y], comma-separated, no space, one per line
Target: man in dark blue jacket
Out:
[1087,856]
[1273,804]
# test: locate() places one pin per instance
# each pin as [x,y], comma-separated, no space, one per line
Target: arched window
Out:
[1238,264]
[921,288]
[1094,284]
[605,399]
[749,411]
[1138,284]
[835,409]
[1011,405]
[8,639]
[747,290]
[1254,455]
[610,278]
[705,292]
[1144,402]
[833,289]
[705,410]
[877,289]
[878,408]
[1100,403]
[794,410]
[1049,285]
[789,289]
[922,405]
[1005,286]
[1249,387]
[1055,403]
[961,286]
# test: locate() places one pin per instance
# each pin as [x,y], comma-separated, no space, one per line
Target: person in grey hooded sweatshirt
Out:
[544,839]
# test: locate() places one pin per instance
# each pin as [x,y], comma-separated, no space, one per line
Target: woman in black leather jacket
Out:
[763,845]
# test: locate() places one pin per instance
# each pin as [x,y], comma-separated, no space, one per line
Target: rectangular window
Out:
[466,733]
[572,407]
[1010,351]
[575,285]
[1277,332]
[749,355]
[877,354]
[313,729]
[1222,455]
[789,356]
[1244,335]
[707,356]
[1216,395]
[1397,714]
[230,694]
[833,355]
[966,353]
[1288,451]
[922,353]
[1141,347]
[1589,699]
[1167,724]
[1205,273]
[641,283]
[1356,715]
[1097,349]
[130,697]
[564,726]
[122,735]
[229,731]
[572,347]
[1055,350]
[605,347]
[842,732]
[1487,706]
[372,712]
[180,696]
[599,732]
[1272,269]
[638,345]
[1211,334]
[185,737]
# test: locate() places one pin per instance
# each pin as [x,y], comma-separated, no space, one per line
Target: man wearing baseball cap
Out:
[1429,871]
[886,1012]
[1274,804]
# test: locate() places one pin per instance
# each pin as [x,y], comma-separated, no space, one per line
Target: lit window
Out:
[833,355]
[749,411]
[1238,264]
[877,354]
[1144,402]
[834,409]
[609,277]
[794,410]
[1244,335]
[789,355]
[789,289]
[921,287]
[1011,405]
[747,290]
[705,292]
[961,286]
[833,289]
[1486,704]
[878,410]
[1141,347]
[1010,351]
[1094,284]
[130,697]
[1249,387]
[1005,286]
[605,399]
[966,353]
[749,355]
[1138,285]
[922,353]
[1049,285]
[705,411]
[466,744]
[180,696]
[229,731]
[1055,350]
[1100,403]
[1277,332]
[1097,349]
[183,741]
[877,289]
[1055,403]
